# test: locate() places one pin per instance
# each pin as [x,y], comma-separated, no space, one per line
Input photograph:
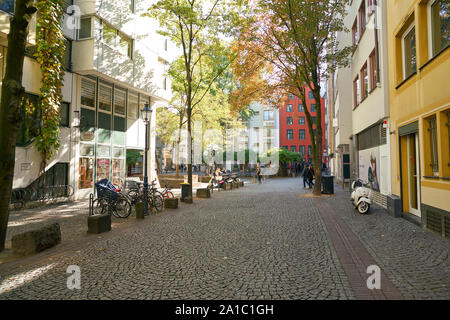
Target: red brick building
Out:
[294,132]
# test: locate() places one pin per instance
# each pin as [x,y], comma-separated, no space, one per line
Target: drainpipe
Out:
[377,51]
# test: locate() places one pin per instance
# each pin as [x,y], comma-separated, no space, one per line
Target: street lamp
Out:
[146,115]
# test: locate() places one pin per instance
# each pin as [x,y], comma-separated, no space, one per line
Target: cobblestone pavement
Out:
[264,241]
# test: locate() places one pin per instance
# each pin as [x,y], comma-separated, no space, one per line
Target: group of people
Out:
[308,175]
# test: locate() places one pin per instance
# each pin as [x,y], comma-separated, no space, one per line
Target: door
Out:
[413,173]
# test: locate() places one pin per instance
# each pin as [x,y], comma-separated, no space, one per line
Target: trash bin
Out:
[185,191]
[328,184]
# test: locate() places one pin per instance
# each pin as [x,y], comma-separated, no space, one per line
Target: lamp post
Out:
[146,114]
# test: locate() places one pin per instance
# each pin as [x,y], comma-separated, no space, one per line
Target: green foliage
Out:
[50,56]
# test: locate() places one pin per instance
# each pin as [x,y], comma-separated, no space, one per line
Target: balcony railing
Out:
[7,6]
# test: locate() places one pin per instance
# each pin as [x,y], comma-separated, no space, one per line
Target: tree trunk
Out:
[11,113]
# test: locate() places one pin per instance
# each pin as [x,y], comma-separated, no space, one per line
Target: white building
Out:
[115,64]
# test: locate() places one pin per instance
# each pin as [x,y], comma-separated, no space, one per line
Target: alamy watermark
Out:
[74,280]
[374,280]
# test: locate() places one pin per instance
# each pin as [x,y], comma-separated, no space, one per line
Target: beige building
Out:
[115,64]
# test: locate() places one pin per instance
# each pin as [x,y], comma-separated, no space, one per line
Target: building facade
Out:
[294,132]
[263,130]
[419,65]
[115,64]
[370,113]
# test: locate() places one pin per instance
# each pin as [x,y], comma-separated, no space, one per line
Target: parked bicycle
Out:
[167,193]
[110,200]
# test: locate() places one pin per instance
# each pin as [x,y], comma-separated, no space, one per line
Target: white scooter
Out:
[361,196]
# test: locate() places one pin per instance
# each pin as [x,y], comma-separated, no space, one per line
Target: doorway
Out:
[411,174]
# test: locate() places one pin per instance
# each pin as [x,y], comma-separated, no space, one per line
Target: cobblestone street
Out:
[269,241]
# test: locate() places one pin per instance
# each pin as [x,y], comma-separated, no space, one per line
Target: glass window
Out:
[87,124]
[440,25]
[68,55]
[109,35]
[409,53]
[87,93]
[31,124]
[373,70]
[291,97]
[289,120]
[86,150]
[310,95]
[268,115]
[302,134]
[86,170]
[365,82]
[293,148]
[120,102]
[300,108]
[355,32]
[103,168]
[301,120]
[64,112]
[362,17]
[313,107]
[119,131]
[290,134]
[313,120]
[133,106]
[301,149]
[289,108]
[432,133]
[104,128]
[356,92]
[125,45]
[85,28]
[310,150]
[104,97]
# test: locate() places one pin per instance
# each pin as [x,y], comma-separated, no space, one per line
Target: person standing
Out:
[259,174]
[304,175]
[310,176]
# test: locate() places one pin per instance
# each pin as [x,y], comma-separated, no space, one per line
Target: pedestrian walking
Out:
[259,174]
[310,176]
[304,175]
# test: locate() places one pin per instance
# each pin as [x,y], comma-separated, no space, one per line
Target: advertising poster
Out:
[369,162]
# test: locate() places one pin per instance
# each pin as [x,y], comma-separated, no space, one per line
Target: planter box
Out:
[171,203]
[99,223]
[235,185]
[241,184]
[228,186]
[203,193]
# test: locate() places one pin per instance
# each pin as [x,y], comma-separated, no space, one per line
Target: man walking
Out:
[304,175]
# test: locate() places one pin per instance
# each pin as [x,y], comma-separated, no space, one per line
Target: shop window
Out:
[87,124]
[440,25]
[135,166]
[104,128]
[409,52]
[86,168]
[118,166]
[119,131]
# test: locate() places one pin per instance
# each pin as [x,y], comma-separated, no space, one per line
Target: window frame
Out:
[289,106]
[431,50]
[301,133]
[404,35]
[292,134]
[355,33]
[362,18]
[95,93]
[432,128]
[373,70]
[356,97]
[91,18]
[289,121]
[364,74]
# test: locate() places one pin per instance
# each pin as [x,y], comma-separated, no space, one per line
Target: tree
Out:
[11,108]
[195,25]
[298,39]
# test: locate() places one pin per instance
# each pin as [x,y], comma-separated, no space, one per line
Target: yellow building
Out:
[419,76]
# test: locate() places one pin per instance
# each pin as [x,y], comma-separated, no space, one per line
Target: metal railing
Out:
[42,195]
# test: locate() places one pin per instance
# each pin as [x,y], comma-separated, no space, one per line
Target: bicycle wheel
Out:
[122,208]
[169,195]
[100,207]
[157,202]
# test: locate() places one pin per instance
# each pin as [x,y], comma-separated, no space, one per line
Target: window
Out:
[88,93]
[104,98]
[289,108]
[440,25]
[313,120]
[302,134]
[362,18]
[290,134]
[66,4]
[355,33]
[310,95]
[109,35]
[268,115]
[132,5]
[293,148]
[120,102]
[310,150]
[7,6]
[301,149]
[301,121]
[289,121]
[85,31]
[285,147]
[365,82]
[356,92]
[370,6]
[68,55]
[300,108]
[31,125]
[87,125]
[64,112]
[291,97]
[409,53]
[133,106]
[313,107]
[432,134]
[126,45]
[373,70]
